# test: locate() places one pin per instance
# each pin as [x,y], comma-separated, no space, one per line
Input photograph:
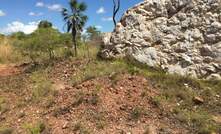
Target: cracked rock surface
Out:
[179,36]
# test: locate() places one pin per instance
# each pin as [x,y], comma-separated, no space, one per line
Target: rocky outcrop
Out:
[180,36]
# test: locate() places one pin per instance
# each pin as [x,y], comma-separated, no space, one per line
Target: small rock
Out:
[65,125]
[186,85]
[214,77]
[217,119]
[217,96]
[151,130]
[198,100]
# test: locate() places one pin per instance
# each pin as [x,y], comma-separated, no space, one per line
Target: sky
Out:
[24,15]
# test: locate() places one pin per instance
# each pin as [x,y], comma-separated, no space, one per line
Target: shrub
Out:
[8,52]
[78,127]
[42,43]
[41,86]
[136,113]
[35,129]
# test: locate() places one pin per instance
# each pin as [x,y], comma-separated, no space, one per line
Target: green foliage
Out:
[2,36]
[136,113]
[45,24]
[42,42]
[35,129]
[93,33]
[199,120]
[3,106]
[79,98]
[78,127]
[6,130]
[18,35]
[41,86]
[75,19]
[98,69]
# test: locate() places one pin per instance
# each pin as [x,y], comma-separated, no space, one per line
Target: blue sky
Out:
[23,15]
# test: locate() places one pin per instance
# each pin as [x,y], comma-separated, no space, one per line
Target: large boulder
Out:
[180,36]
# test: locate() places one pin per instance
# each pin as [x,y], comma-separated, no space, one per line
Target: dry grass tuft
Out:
[8,54]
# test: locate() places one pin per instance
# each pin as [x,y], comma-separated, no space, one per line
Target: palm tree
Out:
[75,19]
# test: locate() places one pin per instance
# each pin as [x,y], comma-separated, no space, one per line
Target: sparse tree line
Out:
[48,42]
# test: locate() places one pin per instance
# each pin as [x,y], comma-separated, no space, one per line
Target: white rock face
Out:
[180,36]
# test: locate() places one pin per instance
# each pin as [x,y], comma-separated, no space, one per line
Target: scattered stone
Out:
[186,85]
[198,100]
[150,130]
[65,125]
[217,96]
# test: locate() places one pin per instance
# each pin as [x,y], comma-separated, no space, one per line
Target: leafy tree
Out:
[42,41]
[44,24]
[75,19]
[18,35]
[115,10]
[2,35]
[65,39]
[93,33]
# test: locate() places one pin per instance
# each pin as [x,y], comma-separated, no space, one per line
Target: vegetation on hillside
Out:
[57,91]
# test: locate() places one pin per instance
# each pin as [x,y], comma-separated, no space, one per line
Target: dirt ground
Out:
[7,70]
[97,106]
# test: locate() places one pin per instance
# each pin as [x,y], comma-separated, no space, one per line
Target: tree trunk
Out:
[115,10]
[75,47]
[74,34]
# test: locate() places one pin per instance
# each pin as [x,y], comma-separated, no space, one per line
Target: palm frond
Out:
[73,5]
[75,19]
[64,12]
[82,7]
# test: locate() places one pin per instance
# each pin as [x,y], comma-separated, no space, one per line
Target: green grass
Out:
[97,117]
[136,113]
[175,91]
[6,130]
[79,127]
[4,107]
[96,68]
[42,88]
[37,128]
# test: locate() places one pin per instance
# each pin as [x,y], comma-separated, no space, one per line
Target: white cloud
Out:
[55,7]
[40,4]
[18,26]
[35,14]
[107,19]
[2,13]
[99,27]
[52,7]
[101,10]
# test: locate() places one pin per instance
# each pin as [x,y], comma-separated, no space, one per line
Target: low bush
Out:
[41,86]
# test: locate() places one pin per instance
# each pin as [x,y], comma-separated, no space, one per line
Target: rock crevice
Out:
[180,36]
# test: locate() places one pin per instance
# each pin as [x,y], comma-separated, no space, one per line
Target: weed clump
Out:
[38,128]
[6,130]
[41,87]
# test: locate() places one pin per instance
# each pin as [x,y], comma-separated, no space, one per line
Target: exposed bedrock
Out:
[179,36]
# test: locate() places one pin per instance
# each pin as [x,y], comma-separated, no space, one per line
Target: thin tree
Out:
[115,10]
[75,19]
